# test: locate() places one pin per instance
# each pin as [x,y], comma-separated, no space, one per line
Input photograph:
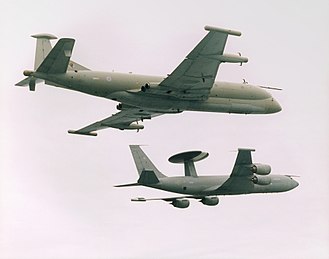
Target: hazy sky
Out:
[57,198]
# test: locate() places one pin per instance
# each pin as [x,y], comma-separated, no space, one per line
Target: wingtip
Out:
[217,29]
[138,199]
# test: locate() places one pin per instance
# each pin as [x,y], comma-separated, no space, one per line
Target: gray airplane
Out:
[190,87]
[246,177]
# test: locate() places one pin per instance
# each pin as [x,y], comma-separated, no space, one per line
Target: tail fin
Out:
[42,51]
[43,47]
[143,164]
[57,60]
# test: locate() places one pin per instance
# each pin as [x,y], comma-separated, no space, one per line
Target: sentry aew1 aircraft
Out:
[246,177]
[190,87]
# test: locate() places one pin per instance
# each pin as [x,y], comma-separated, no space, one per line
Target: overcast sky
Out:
[57,198]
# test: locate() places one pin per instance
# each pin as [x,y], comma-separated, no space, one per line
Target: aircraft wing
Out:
[170,199]
[195,76]
[242,163]
[239,180]
[125,119]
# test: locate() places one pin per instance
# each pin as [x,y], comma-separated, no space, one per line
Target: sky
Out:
[57,198]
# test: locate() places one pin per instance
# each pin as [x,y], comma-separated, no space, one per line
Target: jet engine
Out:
[182,203]
[210,201]
[261,180]
[145,87]
[122,106]
[261,169]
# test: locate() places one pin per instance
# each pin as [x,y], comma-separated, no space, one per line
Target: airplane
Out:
[190,87]
[246,177]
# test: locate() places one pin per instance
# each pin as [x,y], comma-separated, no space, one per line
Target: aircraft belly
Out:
[160,103]
[231,90]
[215,104]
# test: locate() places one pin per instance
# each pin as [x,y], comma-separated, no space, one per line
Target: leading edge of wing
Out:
[123,120]
[243,163]
[241,173]
[195,75]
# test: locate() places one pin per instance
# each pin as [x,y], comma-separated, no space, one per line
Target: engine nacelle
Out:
[122,106]
[261,180]
[182,203]
[147,86]
[261,169]
[210,201]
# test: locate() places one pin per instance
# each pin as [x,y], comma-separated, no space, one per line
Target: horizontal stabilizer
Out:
[26,81]
[29,81]
[127,185]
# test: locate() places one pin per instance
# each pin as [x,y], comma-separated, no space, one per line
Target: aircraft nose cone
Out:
[272,106]
[294,183]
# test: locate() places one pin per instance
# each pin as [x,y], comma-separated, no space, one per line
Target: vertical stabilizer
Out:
[143,163]
[43,47]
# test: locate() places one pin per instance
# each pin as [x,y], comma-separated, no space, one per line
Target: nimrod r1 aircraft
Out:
[190,87]
[246,177]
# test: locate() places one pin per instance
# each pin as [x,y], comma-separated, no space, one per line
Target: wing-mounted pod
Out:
[224,57]
[188,158]
[233,58]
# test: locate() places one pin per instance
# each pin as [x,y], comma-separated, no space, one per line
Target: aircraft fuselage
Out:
[214,185]
[126,88]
